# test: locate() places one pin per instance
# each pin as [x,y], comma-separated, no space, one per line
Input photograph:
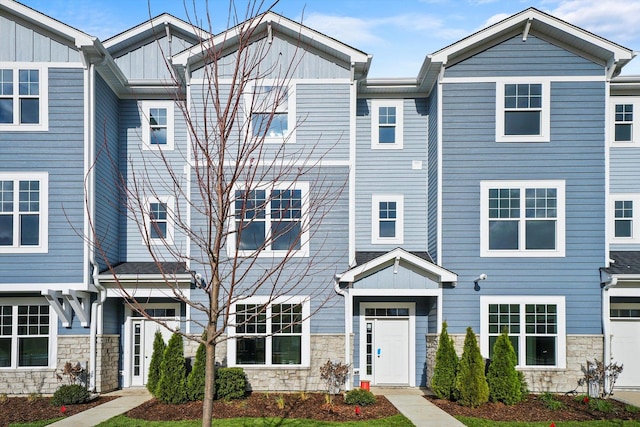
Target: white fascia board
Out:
[146,278]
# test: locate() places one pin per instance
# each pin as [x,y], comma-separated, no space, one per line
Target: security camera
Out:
[480,277]
[198,277]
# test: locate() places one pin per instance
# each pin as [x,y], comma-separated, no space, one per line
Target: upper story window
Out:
[158,125]
[272,112]
[536,328]
[623,218]
[522,218]
[387,124]
[271,221]
[23,99]
[623,123]
[522,111]
[387,218]
[23,212]
[159,220]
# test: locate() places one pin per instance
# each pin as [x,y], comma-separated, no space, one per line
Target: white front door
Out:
[142,336]
[391,351]
[625,348]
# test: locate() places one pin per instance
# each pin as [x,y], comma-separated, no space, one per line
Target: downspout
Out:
[606,323]
[347,325]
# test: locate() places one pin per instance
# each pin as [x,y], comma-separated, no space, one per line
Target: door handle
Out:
[379,352]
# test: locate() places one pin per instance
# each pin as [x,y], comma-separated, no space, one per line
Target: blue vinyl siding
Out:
[514,57]
[624,175]
[388,171]
[432,177]
[60,152]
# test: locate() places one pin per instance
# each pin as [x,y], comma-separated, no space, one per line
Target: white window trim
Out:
[53,334]
[635,124]
[43,97]
[635,219]
[522,300]
[290,137]
[375,116]
[306,331]
[375,218]
[545,116]
[303,252]
[170,203]
[559,251]
[146,107]
[43,178]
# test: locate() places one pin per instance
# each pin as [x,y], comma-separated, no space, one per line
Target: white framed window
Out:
[24,102]
[387,213]
[522,218]
[387,117]
[24,212]
[159,220]
[623,123]
[268,332]
[271,221]
[27,334]
[624,218]
[536,327]
[523,110]
[158,125]
[271,110]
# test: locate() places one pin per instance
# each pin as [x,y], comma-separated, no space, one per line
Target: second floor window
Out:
[159,220]
[23,99]
[623,123]
[623,214]
[387,124]
[158,125]
[387,214]
[270,113]
[523,111]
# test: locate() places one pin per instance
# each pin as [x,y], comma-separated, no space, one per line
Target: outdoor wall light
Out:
[476,286]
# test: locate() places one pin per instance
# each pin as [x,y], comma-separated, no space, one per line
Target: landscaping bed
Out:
[28,409]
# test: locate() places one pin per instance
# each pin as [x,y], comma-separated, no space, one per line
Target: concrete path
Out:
[630,397]
[127,400]
[412,404]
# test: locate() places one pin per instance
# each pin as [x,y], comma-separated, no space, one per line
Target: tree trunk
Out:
[210,380]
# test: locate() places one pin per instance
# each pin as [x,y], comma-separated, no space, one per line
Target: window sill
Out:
[272,367]
[522,254]
[522,138]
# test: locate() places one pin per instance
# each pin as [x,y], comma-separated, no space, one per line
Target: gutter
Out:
[347,325]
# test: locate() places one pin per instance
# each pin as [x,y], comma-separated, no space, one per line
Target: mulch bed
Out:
[258,405]
[24,409]
[534,409]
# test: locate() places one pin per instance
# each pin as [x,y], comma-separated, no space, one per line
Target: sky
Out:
[399,34]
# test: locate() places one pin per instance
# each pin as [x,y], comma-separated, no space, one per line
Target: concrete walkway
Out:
[127,400]
[630,397]
[412,404]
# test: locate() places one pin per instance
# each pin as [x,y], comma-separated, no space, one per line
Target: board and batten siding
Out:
[575,154]
[390,171]
[60,152]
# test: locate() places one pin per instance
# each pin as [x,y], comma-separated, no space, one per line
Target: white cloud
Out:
[355,31]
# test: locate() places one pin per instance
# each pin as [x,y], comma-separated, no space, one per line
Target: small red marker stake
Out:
[63,409]
[357,410]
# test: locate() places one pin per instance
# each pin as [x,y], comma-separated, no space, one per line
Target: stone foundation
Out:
[107,360]
[580,348]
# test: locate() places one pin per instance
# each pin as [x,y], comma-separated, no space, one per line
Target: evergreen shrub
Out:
[471,383]
[172,387]
[359,397]
[196,378]
[503,380]
[231,383]
[154,365]
[444,374]
[70,394]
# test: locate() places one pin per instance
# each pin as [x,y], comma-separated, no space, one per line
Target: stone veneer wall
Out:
[580,348]
[323,348]
[107,363]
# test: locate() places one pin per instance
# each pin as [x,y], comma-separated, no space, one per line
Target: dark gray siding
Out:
[432,176]
[517,58]
[60,153]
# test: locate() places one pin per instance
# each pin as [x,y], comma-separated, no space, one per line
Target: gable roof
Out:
[269,23]
[435,272]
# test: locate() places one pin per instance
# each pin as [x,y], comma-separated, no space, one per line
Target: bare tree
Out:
[248,208]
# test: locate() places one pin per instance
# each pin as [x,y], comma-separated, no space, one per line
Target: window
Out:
[387,215]
[271,221]
[536,328]
[271,112]
[275,333]
[522,218]
[24,334]
[23,212]
[159,220]
[158,125]
[624,123]
[522,111]
[23,99]
[623,218]
[386,124]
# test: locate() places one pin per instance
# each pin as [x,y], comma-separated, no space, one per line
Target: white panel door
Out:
[625,348]
[143,334]
[391,351]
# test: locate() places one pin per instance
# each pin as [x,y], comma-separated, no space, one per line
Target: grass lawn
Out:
[479,422]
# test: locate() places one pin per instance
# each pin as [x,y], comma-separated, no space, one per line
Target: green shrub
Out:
[69,394]
[631,408]
[600,405]
[444,374]
[471,384]
[172,387]
[524,386]
[196,378]
[359,397]
[231,383]
[502,378]
[156,359]
[550,401]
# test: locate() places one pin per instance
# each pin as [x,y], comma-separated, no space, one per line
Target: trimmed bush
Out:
[156,359]
[503,380]
[359,397]
[444,374]
[471,384]
[231,383]
[196,378]
[172,387]
[69,394]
